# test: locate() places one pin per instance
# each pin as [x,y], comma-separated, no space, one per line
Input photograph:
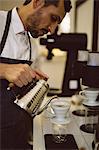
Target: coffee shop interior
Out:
[68,116]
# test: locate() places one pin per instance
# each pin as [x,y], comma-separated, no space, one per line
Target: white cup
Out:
[60,108]
[90,94]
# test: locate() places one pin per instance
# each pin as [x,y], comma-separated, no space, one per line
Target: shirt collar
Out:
[16,22]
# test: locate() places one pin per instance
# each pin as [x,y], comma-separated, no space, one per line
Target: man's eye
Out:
[55,18]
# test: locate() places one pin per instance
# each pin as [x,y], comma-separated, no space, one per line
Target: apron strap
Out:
[6,30]
[5,34]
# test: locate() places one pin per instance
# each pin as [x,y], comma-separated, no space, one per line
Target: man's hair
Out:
[67,3]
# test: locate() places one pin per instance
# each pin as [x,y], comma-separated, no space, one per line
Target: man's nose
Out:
[52,28]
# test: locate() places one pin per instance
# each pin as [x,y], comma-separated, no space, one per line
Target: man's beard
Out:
[33,26]
[36,34]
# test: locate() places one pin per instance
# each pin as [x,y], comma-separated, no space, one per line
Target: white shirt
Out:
[17,44]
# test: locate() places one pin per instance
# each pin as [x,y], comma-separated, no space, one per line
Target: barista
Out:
[38,17]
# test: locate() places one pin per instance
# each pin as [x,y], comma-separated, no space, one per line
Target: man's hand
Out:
[20,74]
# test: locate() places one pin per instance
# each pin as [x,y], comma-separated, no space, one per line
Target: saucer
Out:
[87,103]
[65,121]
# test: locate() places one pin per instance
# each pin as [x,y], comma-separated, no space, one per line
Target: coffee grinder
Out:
[72,43]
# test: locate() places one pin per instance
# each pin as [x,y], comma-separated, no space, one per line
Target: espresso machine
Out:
[73,44]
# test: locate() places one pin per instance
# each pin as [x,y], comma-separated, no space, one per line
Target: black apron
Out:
[15,123]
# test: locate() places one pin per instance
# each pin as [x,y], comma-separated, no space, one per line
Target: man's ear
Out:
[38,3]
